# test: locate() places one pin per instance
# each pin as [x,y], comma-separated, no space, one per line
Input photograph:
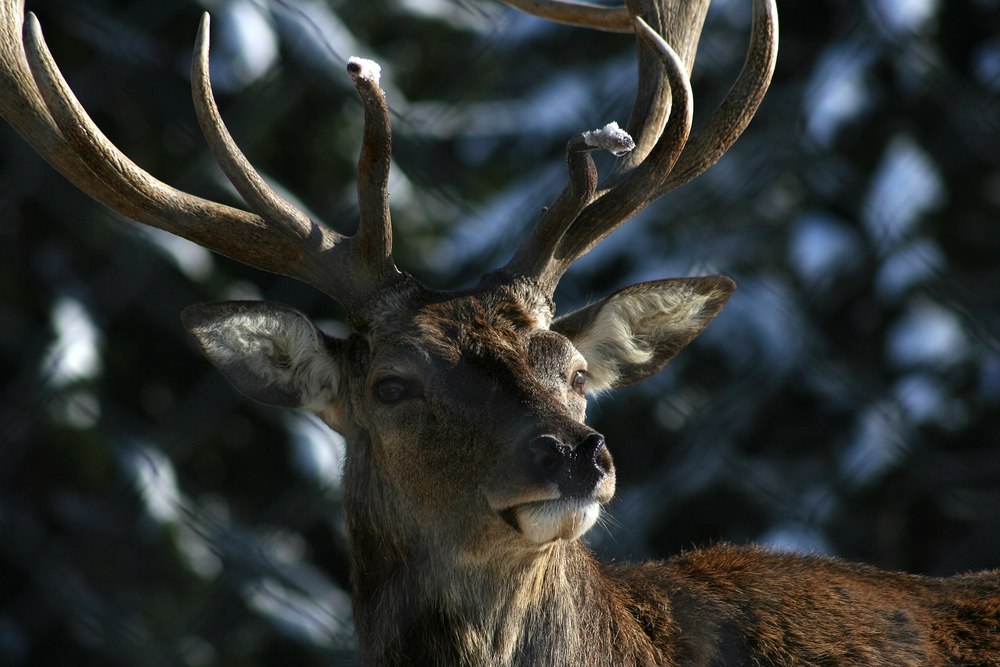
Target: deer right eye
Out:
[390,390]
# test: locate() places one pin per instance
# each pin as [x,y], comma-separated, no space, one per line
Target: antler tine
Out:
[64,134]
[679,23]
[582,14]
[344,268]
[248,183]
[734,113]
[534,255]
[39,104]
[682,23]
[374,238]
[25,110]
[660,124]
[629,195]
[545,256]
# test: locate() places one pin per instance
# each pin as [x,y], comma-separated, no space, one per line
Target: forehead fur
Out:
[494,317]
[474,323]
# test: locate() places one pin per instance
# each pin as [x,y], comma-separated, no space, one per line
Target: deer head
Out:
[463,411]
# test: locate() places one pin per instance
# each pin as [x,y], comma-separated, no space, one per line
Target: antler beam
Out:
[39,104]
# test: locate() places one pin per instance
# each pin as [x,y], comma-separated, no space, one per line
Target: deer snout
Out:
[578,470]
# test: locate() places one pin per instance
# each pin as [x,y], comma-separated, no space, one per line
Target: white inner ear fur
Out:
[283,348]
[629,326]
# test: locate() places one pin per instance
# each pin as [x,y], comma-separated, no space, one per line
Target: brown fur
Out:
[439,579]
[440,484]
[723,606]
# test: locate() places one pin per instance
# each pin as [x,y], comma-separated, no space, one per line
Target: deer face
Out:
[465,408]
[479,406]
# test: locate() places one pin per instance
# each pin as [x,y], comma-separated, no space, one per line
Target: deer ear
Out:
[632,333]
[270,352]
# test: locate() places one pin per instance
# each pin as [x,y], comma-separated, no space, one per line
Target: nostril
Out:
[593,451]
[547,454]
[591,447]
[576,470]
[544,460]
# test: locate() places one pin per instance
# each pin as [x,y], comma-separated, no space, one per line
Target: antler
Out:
[583,14]
[277,237]
[664,158]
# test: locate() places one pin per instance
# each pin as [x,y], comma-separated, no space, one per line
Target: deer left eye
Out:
[391,390]
[578,382]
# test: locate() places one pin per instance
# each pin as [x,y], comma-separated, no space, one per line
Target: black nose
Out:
[576,470]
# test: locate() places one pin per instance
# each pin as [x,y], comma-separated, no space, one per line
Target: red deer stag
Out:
[470,474]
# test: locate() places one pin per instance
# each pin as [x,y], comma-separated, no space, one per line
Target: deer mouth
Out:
[549,520]
[562,489]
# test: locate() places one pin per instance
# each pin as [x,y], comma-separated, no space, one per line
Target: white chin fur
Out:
[557,519]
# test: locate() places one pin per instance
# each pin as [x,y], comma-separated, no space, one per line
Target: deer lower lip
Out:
[549,520]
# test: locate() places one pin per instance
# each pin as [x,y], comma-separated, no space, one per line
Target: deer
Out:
[470,474]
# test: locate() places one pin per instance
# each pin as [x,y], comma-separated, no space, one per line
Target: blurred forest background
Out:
[845,401]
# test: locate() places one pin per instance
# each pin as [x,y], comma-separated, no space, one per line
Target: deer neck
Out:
[422,596]
[435,607]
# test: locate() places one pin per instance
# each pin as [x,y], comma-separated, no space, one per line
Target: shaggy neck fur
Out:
[421,598]
[550,609]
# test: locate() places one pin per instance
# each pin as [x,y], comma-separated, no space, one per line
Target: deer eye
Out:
[578,382]
[390,390]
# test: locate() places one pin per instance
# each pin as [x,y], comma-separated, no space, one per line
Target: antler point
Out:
[364,69]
